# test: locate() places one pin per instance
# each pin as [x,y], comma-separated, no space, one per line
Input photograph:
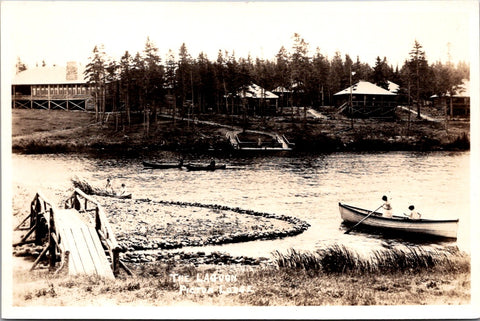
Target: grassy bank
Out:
[55,131]
[43,131]
[444,280]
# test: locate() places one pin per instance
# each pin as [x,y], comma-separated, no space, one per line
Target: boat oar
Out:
[363,219]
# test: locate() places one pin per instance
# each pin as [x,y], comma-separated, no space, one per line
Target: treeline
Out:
[200,85]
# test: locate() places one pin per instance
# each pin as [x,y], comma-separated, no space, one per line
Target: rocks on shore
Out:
[149,225]
[27,250]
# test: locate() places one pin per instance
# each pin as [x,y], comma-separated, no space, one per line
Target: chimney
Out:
[72,70]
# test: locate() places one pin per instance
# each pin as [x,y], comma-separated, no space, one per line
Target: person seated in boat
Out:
[414,215]
[212,164]
[123,190]
[387,207]
[109,187]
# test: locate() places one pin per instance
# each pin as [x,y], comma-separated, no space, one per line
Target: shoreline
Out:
[81,134]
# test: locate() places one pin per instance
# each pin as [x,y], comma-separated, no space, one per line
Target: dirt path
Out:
[232,131]
[316,114]
[423,116]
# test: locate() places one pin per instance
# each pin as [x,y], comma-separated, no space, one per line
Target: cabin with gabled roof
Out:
[456,105]
[367,100]
[53,87]
[257,100]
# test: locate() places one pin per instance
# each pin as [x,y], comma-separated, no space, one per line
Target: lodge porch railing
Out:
[52,97]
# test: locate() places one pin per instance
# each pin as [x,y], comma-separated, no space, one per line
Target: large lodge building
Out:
[52,88]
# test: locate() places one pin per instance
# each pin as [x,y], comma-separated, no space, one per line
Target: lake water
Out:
[310,187]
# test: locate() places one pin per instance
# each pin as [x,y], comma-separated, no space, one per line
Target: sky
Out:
[58,32]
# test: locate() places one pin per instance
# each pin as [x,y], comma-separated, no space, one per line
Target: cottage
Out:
[457,105]
[52,88]
[367,100]
[259,101]
[285,96]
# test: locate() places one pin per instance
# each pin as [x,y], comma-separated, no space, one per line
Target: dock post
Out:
[52,245]
[98,222]
[32,213]
[116,261]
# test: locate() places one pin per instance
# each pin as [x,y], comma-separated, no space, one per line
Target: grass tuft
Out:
[87,188]
[339,259]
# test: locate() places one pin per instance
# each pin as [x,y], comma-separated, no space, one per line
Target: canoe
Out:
[204,168]
[162,165]
[399,224]
[126,196]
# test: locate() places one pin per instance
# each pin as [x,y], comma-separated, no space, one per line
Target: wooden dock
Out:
[78,236]
[86,253]
[281,144]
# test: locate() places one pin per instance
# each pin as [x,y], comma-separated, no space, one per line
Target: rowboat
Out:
[162,165]
[204,168]
[399,224]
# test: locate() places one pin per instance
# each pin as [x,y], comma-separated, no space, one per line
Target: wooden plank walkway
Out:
[87,255]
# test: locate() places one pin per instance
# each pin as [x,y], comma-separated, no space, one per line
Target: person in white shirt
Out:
[109,187]
[387,207]
[414,215]
[123,190]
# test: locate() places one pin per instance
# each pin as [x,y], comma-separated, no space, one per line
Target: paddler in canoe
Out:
[387,207]
[109,191]
[123,190]
[109,187]
[212,164]
[414,215]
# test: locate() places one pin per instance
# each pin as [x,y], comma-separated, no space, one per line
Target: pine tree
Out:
[154,78]
[347,72]
[363,71]
[336,70]
[112,87]
[419,72]
[301,71]
[184,77]
[137,93]
[125,67]
[170,81]
[320,76]
[95,74]
[282,76]
[381,73]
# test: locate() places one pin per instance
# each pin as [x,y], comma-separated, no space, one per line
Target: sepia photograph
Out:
[240,160]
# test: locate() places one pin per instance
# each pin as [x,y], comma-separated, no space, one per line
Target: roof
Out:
[49,76]
[365,88]
[393,87]
[462,91]
[280,89]
[255,91]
